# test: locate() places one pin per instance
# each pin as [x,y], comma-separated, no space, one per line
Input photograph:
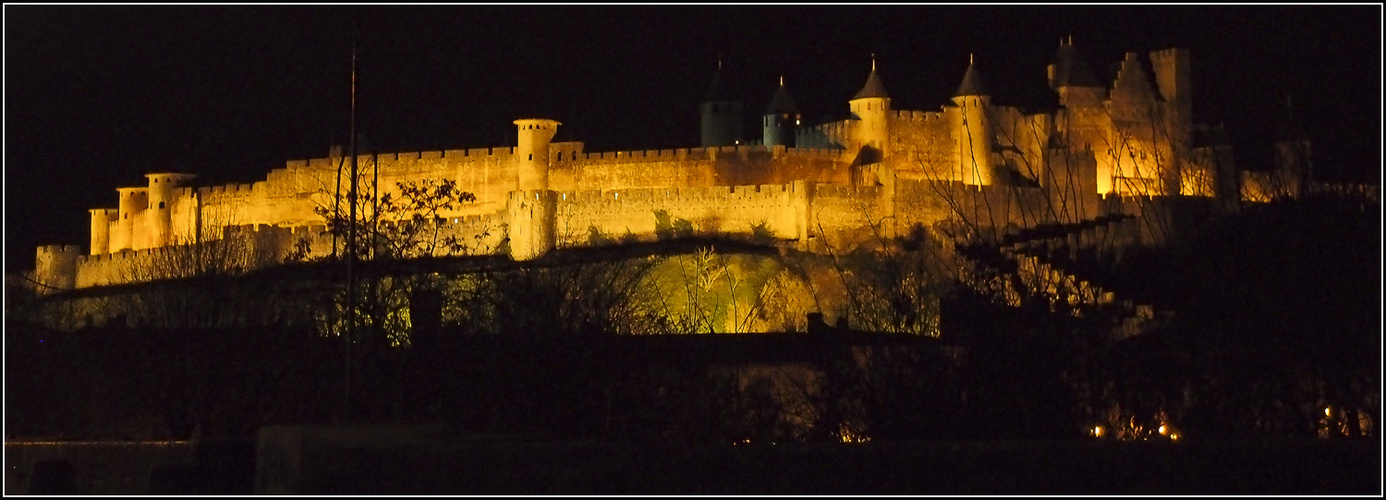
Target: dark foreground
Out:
[298,460]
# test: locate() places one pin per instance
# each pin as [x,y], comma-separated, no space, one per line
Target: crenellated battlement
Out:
[840,172]
[748,194]
[918,116]
[226,190]
[472,154]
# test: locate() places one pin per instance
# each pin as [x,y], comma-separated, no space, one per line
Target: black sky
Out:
[97,96]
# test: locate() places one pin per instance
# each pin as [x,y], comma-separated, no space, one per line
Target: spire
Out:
[1287,127]
[971,82]
[714,91]
[1069,68]
[781,103]
[873,87]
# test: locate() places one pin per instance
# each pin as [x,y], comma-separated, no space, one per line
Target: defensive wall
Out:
[820,216]
[870,176]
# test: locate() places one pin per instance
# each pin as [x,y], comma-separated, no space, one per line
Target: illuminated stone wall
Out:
[1127,138]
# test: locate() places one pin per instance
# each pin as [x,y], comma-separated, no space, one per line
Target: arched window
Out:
[161,204]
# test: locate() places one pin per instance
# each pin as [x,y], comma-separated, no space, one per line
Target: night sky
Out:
[95,97]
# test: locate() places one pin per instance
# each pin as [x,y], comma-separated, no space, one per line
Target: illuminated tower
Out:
[973,133]
[160,215]
[721,116]
[1072,79]
[870,106]
[780,119]
[531,208]
[101,221]
[55,267]
[1172,78]
[129,232]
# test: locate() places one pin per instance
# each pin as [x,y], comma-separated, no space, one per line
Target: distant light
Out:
[1326,413]
[1174,437]
[1163,430]
[1097,431]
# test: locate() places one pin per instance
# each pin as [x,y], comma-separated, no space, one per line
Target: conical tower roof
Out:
[781,103]
[873,87]
[1287,127]
[971,82]
[1070,70]
[714,91]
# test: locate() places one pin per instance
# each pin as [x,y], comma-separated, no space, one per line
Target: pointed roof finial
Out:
[714,91]
[781,102]
[971,83]
[873,87]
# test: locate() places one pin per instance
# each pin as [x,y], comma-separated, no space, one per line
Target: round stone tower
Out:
[974,133]
[721,116]
[101,219]
[871,107]
[532,152]
[129,223]
[780,120]
[160,217]
[532,208]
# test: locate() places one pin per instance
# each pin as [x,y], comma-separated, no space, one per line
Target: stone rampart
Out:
[711,210]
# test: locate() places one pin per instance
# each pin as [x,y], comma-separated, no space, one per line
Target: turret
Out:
[1172,68]
[780,119]
[160,214]
[531,208]
[870,106]
[721,116]
[973,133]
[55,268]
[532,152]
[1069,75]
[101,222]
[129,232]
[1172,78]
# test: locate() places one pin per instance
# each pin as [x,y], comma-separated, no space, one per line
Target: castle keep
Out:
[1110,147]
